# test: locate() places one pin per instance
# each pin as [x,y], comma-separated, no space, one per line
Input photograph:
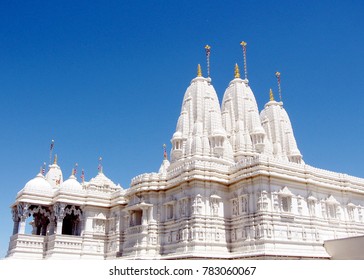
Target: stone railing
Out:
[27,242]
[64,242]
[136,230]
[26,245]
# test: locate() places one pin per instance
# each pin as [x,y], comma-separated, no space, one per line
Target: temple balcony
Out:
[26,246]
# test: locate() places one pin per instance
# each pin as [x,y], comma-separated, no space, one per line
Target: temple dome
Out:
[54,175]
[71,183]
[39,183]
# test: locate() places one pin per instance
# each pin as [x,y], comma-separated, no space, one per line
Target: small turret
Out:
[54,175]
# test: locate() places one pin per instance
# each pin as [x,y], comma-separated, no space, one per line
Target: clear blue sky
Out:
[107,78]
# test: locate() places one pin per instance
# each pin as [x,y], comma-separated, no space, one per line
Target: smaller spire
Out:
[165,156]
[236,72]
[271,96]
[199,72]
[100,165]
[55,159]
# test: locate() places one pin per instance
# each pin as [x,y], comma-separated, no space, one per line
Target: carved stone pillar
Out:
[150,216]
[51,224]
[59,213]
[23,214]
[144,216]
[14,213]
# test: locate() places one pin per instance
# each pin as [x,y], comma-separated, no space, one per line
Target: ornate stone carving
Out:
[59,210]
[214,205]
[263,201]
[197,205]
[23,210]
[235,207]
[15,214]
[99,226]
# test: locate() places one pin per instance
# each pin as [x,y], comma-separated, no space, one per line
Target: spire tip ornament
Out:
[271,96]
[236,71]
[100,165]
[208,51]
[43,168]
[199,72]
[243,45]
[74,169]
[83,175]
[165,156]
[278,75]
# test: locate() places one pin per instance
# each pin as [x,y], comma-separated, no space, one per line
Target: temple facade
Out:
[235,186]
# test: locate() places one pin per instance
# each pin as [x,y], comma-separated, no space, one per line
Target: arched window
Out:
[72,221]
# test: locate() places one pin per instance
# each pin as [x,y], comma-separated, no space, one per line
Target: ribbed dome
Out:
[279,131]
[71,183]
[200,117]
[240,117]
[39,183]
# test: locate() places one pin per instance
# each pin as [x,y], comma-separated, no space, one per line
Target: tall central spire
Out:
[241,120]
[199,129]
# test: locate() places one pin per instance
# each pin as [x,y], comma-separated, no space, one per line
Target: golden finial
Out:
[199,72]
[55,159]
[243,44]
[236,72]
[271,96]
